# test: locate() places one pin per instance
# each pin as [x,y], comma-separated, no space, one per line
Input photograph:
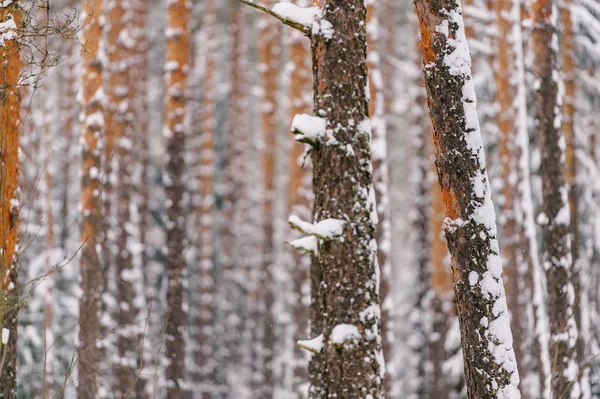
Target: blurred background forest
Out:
[243,293]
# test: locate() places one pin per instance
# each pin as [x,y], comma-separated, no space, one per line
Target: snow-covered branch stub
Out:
[326,230]
[309,129]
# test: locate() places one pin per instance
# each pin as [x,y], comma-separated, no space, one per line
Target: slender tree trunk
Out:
[567,45]
[556,252]
[144,291]
[270,52]
[176,73]
[93,136]
[299,199]
[379,157]
[48,337]
[10,123]
[470,227]
[345,312]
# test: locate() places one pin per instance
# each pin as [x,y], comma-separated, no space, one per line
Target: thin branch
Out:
[286,21]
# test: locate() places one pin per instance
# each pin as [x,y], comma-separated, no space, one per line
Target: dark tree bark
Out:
[470,227]
[176,73]
[555,219]
[344,271]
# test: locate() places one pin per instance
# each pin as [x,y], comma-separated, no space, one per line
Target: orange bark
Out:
[10,123]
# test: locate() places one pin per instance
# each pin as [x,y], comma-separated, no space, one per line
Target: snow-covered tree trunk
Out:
[345,313]
[176,73]
[269,53]
[569,75]
[554,218]
[10,123]
[299,201]
[379,157]
[470,226]
[92,141]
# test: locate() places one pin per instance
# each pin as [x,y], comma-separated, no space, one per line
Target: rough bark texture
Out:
[344,273]
[176,73]
[470,228]
[556,252]
[270,52]
[10,123]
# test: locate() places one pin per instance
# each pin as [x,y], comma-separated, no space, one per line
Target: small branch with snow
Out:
[296,23]
[306,245]
[309,129]
[327,229]
[314,345]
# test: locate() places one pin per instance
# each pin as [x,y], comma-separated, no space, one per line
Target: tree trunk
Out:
[379,157]
[470,227]
[93,135]
[344,273]
[176,73]
[567,46]
[270,52]
[556,252]
[10,123]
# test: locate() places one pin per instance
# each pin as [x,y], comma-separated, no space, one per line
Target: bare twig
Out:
[286,21]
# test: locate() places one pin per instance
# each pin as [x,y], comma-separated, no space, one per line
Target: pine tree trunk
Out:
[556,252]
[379,157]
[470,227]
[344,271]
[10,123]
[92,142]
[567,46]
[176,73]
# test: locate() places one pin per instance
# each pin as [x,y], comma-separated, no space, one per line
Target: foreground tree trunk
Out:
[10,123]
[554,218]
[176,73]
[470,227]
[345,314]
